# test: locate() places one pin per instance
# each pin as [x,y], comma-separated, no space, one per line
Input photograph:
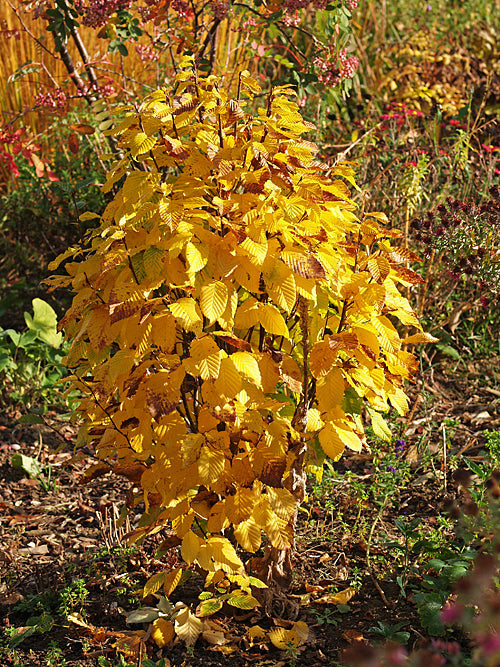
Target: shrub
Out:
[231,317]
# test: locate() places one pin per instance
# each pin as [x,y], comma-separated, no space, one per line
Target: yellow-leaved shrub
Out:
[232,316]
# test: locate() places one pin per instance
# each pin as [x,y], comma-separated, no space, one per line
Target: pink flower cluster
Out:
[53,99]
[97,12]
[182,8]
[220,9]
[336,67]
[291,20]
[398,112]
[352,4]
[146,53]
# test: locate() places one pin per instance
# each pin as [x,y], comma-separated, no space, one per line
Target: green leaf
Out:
[26,463]
[44,322]
[142,615]
[30,419]
[209,607]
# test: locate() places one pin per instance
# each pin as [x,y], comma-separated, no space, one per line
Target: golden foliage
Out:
[229,306]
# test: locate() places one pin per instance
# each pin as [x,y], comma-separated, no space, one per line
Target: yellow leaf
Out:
[162,632]
[190,547]
[213,300]
[247,314]
[281,288]
[197,256]
[420,337]
[210,465]
[256,634]
[314,421]
[283,502]
[342,597]
[388,336]
[229,382]
[330,390]
[379,425]
[141,143]
[330,442]
[172,580]
[163,332]
[249,535]
[245,601]
[187,314]
[153,584]
[272,320]
[348,436]
[206,355]
[188,627]
[246,364]
[291,373]
[321,359]
[295,636]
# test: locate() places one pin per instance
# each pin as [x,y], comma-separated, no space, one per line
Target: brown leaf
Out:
[306,266]
[83,129]
[132,472]
[97,470]
[343,341]
[158,406]
[408,275]
[234,341]
[73,143]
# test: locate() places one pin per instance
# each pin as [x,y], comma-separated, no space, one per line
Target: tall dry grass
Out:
[28,47]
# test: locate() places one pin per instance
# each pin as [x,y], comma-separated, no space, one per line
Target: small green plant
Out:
[325,617]
[493,446]
[392,633]
[291,653]
[118,662]
[356,578]
[54,656]
[30,362]
[73,597]
[34,468]
[35,624]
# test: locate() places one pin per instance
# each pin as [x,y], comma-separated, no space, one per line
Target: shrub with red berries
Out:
[466,236]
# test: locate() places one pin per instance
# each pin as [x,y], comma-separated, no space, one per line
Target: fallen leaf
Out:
[353,636]
[296,636]
[162,632]
[342,597]
[188,627]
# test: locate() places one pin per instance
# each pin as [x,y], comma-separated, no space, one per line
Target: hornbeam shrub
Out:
[233,321]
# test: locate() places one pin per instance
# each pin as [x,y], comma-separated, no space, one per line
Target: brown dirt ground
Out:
[50,538]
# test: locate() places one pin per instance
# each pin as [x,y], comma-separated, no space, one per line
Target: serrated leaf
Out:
[190,547]
[249,535]
[243,601]
[379,425]
[172,579]
[420,337]
[209,607]
[141,144]
[154,583]
[247,365]
[210,465]
[213,300]
[330,442]
[188,627]
[297,635]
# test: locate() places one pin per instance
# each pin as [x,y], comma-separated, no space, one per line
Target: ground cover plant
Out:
[394,557]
